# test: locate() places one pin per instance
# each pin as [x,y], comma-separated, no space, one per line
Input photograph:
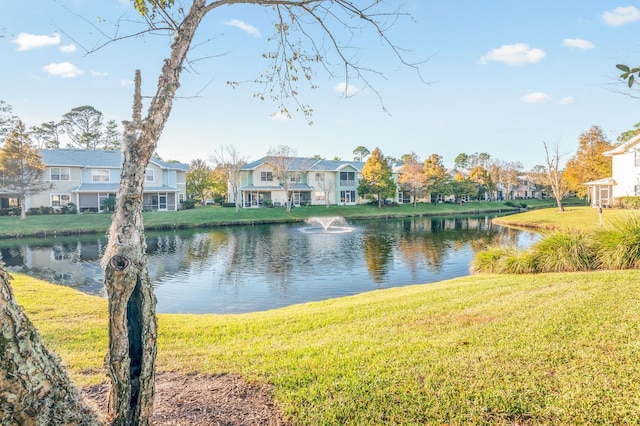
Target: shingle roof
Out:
[307,163]
[71,157]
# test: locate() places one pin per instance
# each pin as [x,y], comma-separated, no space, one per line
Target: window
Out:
[149,175]
[100,175]
[60,200]
[347,178]
[180,198]
[295,177]
[60,173]
[319,177]
[266,176]
[319,195]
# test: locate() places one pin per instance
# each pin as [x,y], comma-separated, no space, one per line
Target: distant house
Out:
[88,177]
[311,182]
[625,175]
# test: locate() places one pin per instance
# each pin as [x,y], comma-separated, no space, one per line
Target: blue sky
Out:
[502,77]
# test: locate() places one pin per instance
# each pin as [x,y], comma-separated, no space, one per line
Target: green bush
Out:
[188,204]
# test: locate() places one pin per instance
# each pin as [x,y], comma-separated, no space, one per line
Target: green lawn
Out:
[205,216]
[487,349]
[581,218]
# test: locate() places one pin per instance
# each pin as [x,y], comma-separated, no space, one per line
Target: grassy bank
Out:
[581,218]
[543,349]
[218,216]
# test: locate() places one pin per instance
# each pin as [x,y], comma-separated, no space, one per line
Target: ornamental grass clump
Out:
[618,247]
[564,251]
[488,260]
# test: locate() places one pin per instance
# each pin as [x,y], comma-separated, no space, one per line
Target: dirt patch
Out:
[199,400]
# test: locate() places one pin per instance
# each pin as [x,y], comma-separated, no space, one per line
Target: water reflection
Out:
[251,268]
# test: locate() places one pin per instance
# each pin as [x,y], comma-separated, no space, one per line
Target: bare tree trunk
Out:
[34,388]
[132,303]
[132,316]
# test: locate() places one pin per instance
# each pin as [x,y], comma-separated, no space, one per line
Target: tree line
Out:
[83,127]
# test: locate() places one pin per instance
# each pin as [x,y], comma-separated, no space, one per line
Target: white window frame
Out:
[266,176]
[96,177]
[60,202]
[149,175]
[61,175]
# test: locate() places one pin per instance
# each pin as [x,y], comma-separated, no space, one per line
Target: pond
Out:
[255,268]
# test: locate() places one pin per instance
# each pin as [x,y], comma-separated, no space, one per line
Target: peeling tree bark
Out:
[34,388]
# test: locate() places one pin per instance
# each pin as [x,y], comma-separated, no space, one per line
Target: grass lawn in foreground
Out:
[487,349]
[209,216]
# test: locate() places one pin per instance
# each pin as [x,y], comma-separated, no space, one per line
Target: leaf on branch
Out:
[624,68]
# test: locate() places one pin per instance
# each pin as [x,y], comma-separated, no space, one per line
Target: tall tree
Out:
[21,168]
[83,126]
[231,160]
[47,135]
[438,181]
[111,137]
[360,153]
[412,176]
[588,163]
[555,175]
[377,180]
[7,120]
[511,172]
[200,180]
[462,161]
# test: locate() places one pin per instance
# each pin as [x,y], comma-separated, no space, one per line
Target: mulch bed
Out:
[198,400]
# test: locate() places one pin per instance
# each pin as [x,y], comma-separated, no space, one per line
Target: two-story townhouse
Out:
[625,175]
[310,182]
[88,177]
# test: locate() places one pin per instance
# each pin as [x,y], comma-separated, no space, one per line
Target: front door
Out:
[296,199]
[347,197]
[162,201]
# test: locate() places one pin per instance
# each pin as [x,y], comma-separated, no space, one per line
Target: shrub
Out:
[487,260]
[618,247]
[188,204]
[631,203]
[564,251]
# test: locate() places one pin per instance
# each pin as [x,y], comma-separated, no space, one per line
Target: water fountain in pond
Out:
[327,224]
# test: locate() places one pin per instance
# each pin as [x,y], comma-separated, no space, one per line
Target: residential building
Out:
[88,177]
[310,182]
[625,175]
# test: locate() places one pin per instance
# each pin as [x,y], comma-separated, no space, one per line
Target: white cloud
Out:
[345,90]
[98,73]
[63,69]
[567,100]
[621,16]
[68,48]
[578,43]
[31,41]
[513,54]
[280,116]
[126,83]
[249,29]
[536,98]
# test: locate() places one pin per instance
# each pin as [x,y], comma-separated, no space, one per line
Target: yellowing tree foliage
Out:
[588,163]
